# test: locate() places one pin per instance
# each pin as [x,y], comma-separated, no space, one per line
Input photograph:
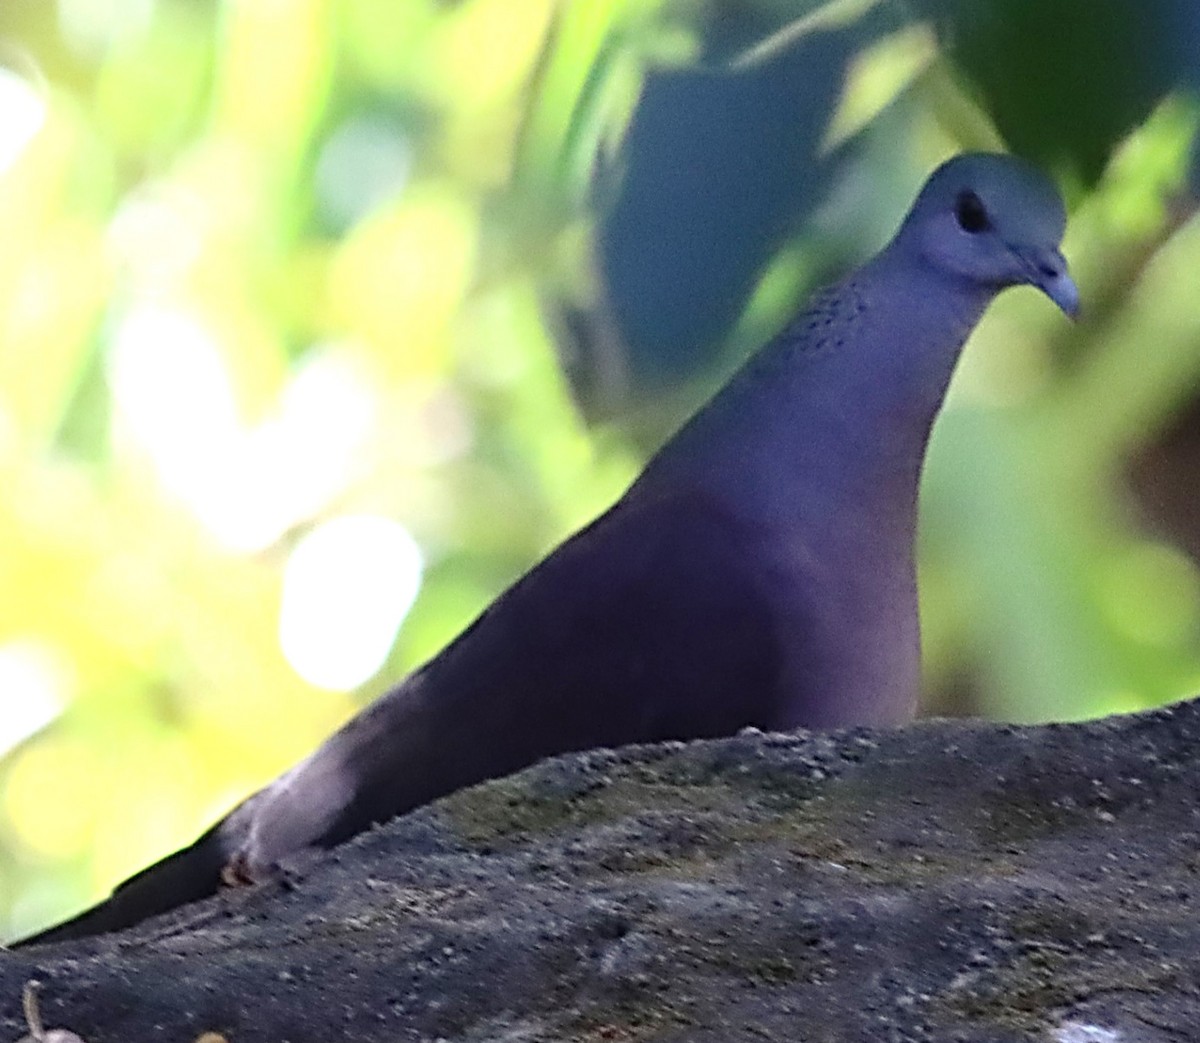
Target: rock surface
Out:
[954,881]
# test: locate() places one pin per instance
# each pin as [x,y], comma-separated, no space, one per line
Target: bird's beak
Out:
[1047,270]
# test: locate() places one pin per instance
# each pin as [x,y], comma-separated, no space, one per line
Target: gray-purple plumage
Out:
[758,572]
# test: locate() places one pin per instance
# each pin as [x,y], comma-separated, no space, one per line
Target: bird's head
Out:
[996,221]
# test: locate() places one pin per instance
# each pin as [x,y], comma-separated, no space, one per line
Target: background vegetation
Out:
[320,320]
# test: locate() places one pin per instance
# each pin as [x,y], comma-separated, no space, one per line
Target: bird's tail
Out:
[186,876]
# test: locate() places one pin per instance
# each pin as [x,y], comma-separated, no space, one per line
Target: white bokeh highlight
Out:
[35,683]
[347,587]
[248,484]
[22,114]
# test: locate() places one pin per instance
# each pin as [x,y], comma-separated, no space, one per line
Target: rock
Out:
[956,881]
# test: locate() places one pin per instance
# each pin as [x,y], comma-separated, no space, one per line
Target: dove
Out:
[758,572]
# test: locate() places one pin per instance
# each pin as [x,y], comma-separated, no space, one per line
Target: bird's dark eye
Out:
[971,214]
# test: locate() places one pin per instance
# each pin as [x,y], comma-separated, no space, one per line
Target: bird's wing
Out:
[648,624]
[653,622]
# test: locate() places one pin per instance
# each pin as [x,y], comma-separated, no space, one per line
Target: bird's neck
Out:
[832,418]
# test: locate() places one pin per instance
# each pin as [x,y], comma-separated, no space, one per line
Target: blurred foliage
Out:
[303,307]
